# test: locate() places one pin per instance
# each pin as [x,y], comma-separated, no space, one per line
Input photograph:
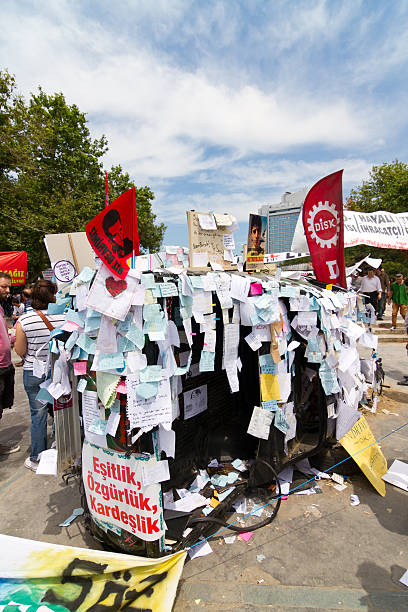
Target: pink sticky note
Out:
[70,326]
[121,388]
[246,536]
[80,367]
[255,289]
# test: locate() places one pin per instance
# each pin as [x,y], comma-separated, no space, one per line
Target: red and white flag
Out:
[324,229]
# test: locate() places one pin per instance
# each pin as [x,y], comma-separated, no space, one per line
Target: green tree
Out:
[386,189]
[51,175]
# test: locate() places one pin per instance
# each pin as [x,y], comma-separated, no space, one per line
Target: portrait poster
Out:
[113,234]
[256,247]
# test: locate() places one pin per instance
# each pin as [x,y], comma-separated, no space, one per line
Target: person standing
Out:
[32,344]
[6,366]
[371,286]
[398,295]
[385,287]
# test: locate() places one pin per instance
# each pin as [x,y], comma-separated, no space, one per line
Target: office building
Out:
[282,219]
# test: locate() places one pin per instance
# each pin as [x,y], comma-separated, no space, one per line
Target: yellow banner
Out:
[61,578]
[371,460]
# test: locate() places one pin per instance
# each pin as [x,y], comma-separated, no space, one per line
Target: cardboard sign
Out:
[114,491]
[73,248]
[371,460]
[15,264]
[80,579]
[208,246]
[113,234]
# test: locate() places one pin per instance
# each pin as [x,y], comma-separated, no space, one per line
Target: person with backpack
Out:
[32,344]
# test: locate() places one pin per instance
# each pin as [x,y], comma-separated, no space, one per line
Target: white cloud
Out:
[159,117]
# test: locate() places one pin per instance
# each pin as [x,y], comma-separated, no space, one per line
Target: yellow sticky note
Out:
[371,460]
[269,387]
[329,287]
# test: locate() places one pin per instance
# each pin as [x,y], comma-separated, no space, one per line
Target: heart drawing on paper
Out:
[115,286]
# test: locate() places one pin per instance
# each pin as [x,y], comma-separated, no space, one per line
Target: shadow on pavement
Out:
[391,510]
[384,591]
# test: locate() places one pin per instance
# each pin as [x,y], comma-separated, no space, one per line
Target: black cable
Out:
[267,521]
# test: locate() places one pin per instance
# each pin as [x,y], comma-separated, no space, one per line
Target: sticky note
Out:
[255,289]
[80,368]
[269,387]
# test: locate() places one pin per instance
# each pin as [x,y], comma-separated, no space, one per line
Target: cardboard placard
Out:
[206,241]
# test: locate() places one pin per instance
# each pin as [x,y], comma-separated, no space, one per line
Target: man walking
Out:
[385,287]
[371,286]
[399,297]
[6,367]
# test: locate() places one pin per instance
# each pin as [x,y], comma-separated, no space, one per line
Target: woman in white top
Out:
[32,344]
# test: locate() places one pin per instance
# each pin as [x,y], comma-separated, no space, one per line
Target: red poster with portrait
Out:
[113,234]
[324,229]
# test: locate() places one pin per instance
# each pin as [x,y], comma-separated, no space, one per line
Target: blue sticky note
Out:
[85,275]
[71,340]
[92,323]
[268,366]
[147,390]
[82,355]
[111,361]
[151,311]
[151,373]
[98,426]
[270,405]
[54,309]
[86,343]
[125,325]
[207,361]
[147,280]
[44,396]
[75,353]
[76,317]
[197,282]
[280,421]
[57,331]
[136,336]
[54,348]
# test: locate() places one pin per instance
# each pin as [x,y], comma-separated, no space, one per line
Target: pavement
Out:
[320,553]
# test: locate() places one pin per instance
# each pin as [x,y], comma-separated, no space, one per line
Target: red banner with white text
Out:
[15,264]
[324,229]
[113,234]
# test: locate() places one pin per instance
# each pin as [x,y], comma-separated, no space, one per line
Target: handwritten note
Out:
[147,413]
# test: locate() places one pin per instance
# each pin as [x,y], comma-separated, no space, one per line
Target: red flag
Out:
[113,234]
[106,190]
[324,228]
[15,264]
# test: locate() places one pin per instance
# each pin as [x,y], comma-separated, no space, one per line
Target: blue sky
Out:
[223,105]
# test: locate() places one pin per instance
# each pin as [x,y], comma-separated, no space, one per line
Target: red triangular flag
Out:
[113,234]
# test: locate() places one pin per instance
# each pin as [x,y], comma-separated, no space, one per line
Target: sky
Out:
[222,105]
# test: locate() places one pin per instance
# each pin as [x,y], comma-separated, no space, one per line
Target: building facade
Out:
[282,219]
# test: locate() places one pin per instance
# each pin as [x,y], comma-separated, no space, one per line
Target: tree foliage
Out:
[386,189]
[51,174]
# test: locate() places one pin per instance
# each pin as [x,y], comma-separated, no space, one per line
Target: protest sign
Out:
[113,234]
[209,240]
[371,460]
[378,229]
[44,577]
[114,491]
[15,264]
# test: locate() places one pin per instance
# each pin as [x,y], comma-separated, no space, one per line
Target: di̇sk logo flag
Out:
[113,234]
[324,229]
